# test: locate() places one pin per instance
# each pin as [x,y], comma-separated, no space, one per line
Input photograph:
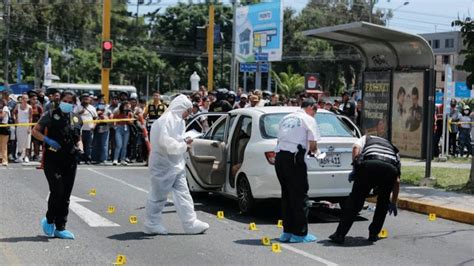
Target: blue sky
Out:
[419,16]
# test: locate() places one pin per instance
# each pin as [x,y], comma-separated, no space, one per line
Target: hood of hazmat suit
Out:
[167,169]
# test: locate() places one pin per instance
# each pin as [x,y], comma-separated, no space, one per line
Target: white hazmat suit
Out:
[167,169]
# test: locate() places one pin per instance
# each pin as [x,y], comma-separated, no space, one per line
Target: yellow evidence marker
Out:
[266,241]
[220,215]
[280,224]
[383,233]
[276,248]
[133,219]
[92,192]
[253,227]
[121,260]
[111,209]
[432,217]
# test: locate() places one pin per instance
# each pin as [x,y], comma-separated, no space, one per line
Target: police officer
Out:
[154,110]
[60,129]
[297,133]
[376,166]
[349,106]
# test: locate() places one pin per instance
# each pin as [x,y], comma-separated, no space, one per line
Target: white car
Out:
[235,157]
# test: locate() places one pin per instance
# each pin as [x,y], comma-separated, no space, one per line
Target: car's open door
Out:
[208,155]
[351,125]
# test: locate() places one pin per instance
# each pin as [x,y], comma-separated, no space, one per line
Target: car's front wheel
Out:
[244,193]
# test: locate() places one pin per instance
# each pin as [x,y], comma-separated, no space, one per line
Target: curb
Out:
[453,214]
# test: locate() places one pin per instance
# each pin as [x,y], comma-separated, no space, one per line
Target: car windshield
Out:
[329,125]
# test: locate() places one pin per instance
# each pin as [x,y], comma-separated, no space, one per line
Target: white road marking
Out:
[308,255]
[288,247]
[118,180]
[91,218]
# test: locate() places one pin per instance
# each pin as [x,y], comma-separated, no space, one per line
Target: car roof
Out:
[270,110]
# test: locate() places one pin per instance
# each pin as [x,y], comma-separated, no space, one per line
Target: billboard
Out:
[376,104]
[259,30]
[407,113]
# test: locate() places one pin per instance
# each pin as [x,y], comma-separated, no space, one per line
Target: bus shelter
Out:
[398,84]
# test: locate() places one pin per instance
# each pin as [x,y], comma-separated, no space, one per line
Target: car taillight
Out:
[270,157]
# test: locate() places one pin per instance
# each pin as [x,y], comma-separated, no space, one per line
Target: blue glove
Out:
[352,176]
[52,143]
[392,208]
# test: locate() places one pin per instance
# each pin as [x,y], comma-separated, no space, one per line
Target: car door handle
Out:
[215,144]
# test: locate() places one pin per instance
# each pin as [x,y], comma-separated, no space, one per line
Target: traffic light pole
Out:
[210,49]
[105,73]
[7,42]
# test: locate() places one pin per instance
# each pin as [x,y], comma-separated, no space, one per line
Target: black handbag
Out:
[5,130]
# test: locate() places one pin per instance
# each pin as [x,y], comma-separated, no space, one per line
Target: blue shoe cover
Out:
[64,234]
[48,229]
[303,239]
[285,237]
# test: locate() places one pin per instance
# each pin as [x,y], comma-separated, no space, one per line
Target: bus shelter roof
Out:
[381,47]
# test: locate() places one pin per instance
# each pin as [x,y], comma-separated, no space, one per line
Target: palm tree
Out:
[289,83]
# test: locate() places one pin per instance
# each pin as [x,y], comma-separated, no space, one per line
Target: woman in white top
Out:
[23,114]
[4,134]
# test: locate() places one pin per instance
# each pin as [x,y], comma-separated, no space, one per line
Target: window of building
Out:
[442,76]
[449,43]
[429,42]
[435,44]
[446,59]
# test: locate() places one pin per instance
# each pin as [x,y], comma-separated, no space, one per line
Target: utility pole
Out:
[233,64]
[7,42]
[210,49]
[105,73]
[371,7]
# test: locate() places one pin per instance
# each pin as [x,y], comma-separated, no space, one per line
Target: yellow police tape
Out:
[85,122]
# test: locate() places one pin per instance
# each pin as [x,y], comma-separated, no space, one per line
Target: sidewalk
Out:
[449,205]
[438,164]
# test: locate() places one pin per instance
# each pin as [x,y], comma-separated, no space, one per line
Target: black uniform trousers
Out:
[293,179]
[60,173]
[372,174]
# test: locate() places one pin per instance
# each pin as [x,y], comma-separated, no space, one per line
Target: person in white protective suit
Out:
[167,169]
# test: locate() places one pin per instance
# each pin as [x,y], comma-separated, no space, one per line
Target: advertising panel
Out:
[376,104]
[407,113]
[259,30]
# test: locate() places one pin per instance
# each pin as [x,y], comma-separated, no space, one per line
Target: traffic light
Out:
[107,47]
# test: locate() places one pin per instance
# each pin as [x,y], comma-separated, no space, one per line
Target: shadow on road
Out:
[131,236]
[25,239]
[349,242]
[266,212]
[249,242]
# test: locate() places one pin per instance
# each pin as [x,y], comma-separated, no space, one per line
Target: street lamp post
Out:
[397,8]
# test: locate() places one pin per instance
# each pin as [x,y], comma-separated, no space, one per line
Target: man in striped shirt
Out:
[376,166]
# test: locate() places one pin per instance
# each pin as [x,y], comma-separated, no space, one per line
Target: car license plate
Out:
[331,160]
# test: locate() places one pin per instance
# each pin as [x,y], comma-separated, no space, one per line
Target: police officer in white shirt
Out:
[297,133]
[376,166]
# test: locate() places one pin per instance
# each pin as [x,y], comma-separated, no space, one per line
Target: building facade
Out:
[447,47]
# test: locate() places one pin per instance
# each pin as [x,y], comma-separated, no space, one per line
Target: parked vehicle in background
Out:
[92,89]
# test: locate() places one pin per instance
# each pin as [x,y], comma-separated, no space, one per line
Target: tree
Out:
[467,27]
[289,83]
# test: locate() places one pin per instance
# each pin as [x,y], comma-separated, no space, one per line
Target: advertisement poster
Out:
[376,104]
[259,30]
[407,113]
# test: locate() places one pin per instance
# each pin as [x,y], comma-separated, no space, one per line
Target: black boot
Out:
[338,239]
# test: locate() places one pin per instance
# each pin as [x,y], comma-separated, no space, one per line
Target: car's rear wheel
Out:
[244,193]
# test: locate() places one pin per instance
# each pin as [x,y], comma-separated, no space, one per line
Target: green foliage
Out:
[467,31]
[288,83]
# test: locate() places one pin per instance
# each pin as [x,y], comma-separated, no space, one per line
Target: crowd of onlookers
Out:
[124,142]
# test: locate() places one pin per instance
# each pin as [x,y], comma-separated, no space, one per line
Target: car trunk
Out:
[338,155]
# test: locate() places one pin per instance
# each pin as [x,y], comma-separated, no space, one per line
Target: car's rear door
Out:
[208,155]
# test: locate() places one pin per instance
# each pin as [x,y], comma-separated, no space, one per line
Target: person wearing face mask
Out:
[465,132]
[122,132]
[60,130]
[168,172]
[454,116]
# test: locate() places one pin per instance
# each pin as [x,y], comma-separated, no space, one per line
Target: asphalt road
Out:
[23,192]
